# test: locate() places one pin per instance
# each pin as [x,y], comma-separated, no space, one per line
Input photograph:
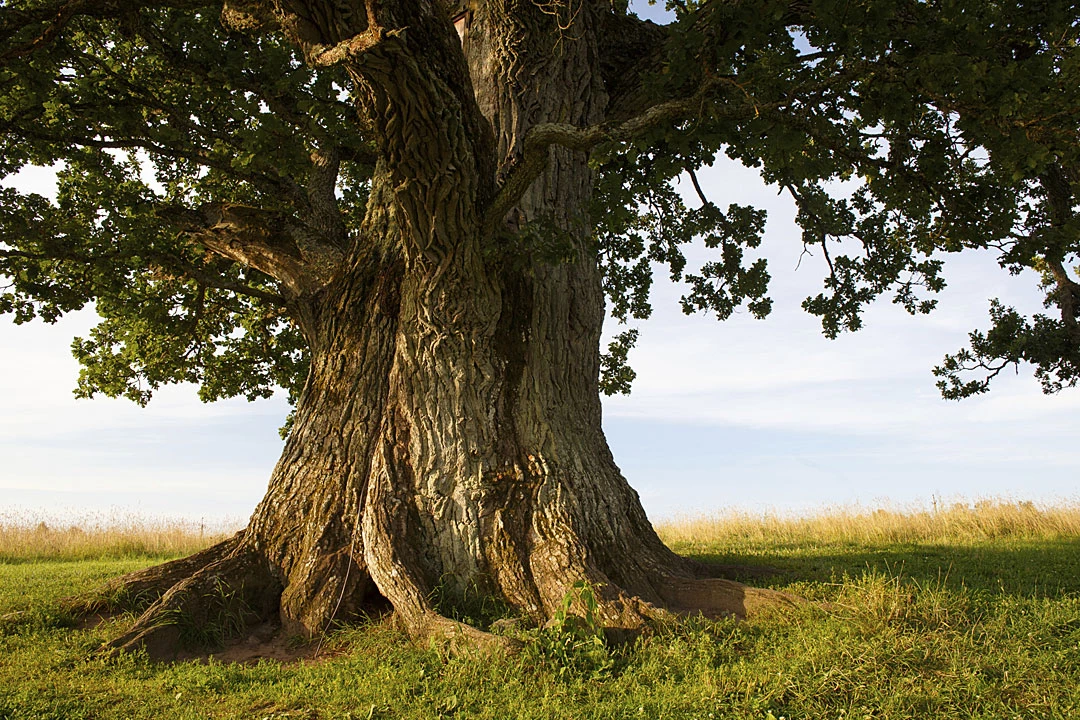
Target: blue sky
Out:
[771,415]
[746,414]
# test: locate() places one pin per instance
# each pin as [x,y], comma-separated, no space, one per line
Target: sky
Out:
[748,415]
[772,416]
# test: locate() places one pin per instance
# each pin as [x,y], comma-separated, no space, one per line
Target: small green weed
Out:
[39,617]
[572,644]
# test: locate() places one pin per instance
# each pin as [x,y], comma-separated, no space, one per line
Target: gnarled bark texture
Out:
[448,442]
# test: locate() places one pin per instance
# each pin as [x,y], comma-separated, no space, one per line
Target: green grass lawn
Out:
[963,627]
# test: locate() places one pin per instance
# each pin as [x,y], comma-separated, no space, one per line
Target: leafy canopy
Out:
[902,129]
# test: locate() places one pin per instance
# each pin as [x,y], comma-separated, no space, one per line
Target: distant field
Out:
[945,522]
[964,611]
[30,537]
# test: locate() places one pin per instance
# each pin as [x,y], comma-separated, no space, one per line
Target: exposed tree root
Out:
[217,595]
[717,597]
[457,636]
[208,607]
[137,590]
[622,616]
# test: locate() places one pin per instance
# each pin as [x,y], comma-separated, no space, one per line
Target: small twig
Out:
[697,187]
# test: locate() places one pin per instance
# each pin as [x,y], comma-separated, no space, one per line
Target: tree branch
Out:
[268,241]
[323,56]
[199,275]
[543,136]
[697,187]
[281,101]
[220,283]
[197,155]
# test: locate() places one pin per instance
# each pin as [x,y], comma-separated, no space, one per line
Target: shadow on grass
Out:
[1020,568]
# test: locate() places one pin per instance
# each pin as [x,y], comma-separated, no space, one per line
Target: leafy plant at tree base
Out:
[572,644]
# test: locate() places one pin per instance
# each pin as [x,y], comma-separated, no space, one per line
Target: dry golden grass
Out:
[29,537]
[954,522]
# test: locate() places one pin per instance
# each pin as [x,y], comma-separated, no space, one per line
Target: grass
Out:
[955,522]
[959,612]
[27,537]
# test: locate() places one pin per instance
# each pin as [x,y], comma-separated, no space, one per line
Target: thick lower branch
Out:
[267,241]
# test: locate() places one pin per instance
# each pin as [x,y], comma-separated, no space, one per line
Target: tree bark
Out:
[448,443]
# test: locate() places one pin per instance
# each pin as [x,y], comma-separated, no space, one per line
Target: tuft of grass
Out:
[29,537]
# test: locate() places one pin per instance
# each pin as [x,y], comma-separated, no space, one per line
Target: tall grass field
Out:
[959,611]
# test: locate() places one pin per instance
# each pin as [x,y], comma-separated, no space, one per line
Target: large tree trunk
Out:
[448,443]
